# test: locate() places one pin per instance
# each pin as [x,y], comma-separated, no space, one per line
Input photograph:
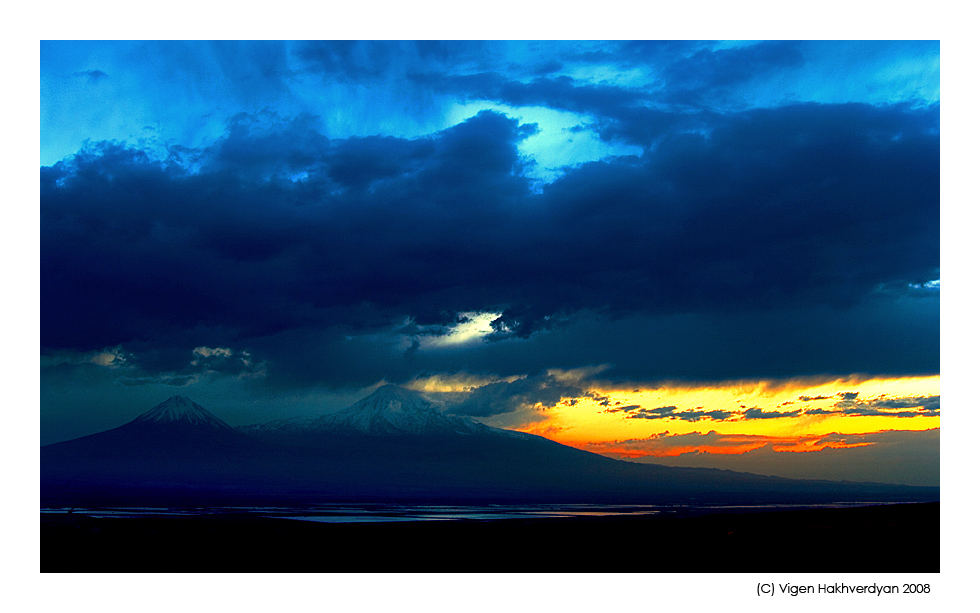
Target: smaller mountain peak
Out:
[181,409]
[392,409]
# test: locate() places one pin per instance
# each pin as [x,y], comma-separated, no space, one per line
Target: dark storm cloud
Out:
[619,113]
[923,405]
[358,162]
[818,412]
[699,415]
[507,397]
[928,403]
[559,92]
[93,76]
[657,413]
[711,73]
[646,126]
[757,413]
[679,98]
[546,67]
[631,407]
[775,230]
[265,145]
[671,412]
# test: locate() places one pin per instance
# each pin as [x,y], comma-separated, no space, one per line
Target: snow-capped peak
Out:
[395,399]
[390,410]
[179,409]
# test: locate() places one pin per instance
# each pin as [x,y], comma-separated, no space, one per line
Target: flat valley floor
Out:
[881,538]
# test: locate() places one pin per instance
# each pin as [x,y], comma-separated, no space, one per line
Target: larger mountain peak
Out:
[399,399]
[391,410]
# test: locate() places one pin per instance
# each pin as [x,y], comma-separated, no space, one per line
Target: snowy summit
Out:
[390,410]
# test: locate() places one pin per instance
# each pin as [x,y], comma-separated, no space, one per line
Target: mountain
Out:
[394,445]
[177,446]
[174,427]
[390,411]
[180,410]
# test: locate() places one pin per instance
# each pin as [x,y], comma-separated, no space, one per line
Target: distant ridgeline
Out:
[394,445]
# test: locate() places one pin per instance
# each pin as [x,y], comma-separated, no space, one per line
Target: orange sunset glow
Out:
[792,416]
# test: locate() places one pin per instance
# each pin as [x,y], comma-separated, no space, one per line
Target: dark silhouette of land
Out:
[883,538]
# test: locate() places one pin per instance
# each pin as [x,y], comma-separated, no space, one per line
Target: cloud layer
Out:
[327,215]
[279,228]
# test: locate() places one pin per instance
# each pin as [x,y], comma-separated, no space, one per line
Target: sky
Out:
[696,253]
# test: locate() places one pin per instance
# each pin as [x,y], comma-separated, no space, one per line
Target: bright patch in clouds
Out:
[470,328]
[457,382]
[207,352]
[109,358]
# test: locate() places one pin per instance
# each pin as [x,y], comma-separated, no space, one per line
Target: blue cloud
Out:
[304,200]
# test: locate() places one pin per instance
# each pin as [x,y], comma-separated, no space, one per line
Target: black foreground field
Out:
[883,538]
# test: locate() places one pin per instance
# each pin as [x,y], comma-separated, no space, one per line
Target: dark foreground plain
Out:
[881,538]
